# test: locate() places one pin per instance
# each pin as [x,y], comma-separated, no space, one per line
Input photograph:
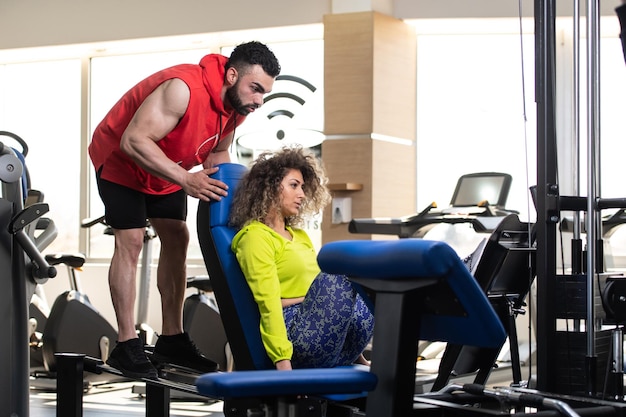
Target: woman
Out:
[308,318]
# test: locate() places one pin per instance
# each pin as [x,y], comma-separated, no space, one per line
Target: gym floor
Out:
[122,399]
[126,399]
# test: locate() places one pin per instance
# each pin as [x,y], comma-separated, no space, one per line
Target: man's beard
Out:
[235,101]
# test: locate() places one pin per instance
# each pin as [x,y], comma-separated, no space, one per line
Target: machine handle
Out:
[18,139]
[41,270]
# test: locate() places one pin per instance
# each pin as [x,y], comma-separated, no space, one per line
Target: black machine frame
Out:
[551,286]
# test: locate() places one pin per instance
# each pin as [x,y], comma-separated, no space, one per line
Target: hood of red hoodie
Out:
[213,71]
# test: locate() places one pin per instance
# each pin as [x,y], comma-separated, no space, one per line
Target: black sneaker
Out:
[180,350]
[130,358]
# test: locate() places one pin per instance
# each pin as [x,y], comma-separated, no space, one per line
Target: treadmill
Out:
[479,198]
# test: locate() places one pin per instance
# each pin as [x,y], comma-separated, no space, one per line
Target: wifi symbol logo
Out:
[289,115]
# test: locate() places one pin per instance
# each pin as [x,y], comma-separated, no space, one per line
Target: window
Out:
[470,113]
[40,102]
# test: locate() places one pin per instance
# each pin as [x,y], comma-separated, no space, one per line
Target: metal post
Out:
[70,367]
[14,353]
[593,137]
[157,400]
[144,282]
[547,193]
[577,249]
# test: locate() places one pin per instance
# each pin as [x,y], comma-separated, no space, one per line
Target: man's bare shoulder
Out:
[174,94]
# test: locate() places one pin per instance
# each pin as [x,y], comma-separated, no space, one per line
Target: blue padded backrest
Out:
[238,310]
[414,259]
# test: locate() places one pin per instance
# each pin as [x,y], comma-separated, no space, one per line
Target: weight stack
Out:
[571,337]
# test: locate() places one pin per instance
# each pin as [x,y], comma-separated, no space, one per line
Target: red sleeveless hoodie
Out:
[198,132]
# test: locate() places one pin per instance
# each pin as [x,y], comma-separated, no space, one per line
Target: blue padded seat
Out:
[268,383]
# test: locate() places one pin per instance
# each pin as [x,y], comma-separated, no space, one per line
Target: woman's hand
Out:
[284,365]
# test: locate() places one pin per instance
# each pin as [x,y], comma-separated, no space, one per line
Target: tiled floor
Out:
[121,399]
[126,399]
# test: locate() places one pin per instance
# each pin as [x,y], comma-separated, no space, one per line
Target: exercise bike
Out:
[73,325]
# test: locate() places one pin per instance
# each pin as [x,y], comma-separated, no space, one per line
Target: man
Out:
[142,151]
[621,15]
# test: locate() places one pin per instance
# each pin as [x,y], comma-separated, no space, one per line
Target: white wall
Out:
[41,22]
[33,23]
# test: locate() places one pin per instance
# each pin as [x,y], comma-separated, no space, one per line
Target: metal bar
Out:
[547,190]
[617,364]
[593,137]
[577,264]
[144,282]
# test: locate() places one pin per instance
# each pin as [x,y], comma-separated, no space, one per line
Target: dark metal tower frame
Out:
[547,191]
[550,204]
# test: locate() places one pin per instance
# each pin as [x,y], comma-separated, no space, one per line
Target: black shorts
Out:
[125,208]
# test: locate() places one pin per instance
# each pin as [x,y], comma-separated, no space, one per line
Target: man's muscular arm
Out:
[155,118]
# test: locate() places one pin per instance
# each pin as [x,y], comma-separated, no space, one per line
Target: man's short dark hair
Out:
[254,53]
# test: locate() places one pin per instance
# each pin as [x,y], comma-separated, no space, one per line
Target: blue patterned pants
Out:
[331,327]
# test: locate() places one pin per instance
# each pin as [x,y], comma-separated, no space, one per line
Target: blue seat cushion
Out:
[271,382]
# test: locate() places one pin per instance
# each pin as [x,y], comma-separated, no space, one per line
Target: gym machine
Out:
[23,266]
[479,199]
[575,360]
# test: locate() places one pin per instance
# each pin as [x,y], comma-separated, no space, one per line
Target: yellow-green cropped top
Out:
[275,268]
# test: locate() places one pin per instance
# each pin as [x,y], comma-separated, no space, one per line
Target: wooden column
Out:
[369,117]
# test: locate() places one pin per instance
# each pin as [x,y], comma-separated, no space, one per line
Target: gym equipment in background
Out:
[503,264]
[478,198]
[505,270]
[71,325]
[23,268]
[74,325]
[201,319]
[42,233]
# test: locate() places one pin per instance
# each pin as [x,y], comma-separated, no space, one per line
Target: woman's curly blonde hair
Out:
[259,190]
